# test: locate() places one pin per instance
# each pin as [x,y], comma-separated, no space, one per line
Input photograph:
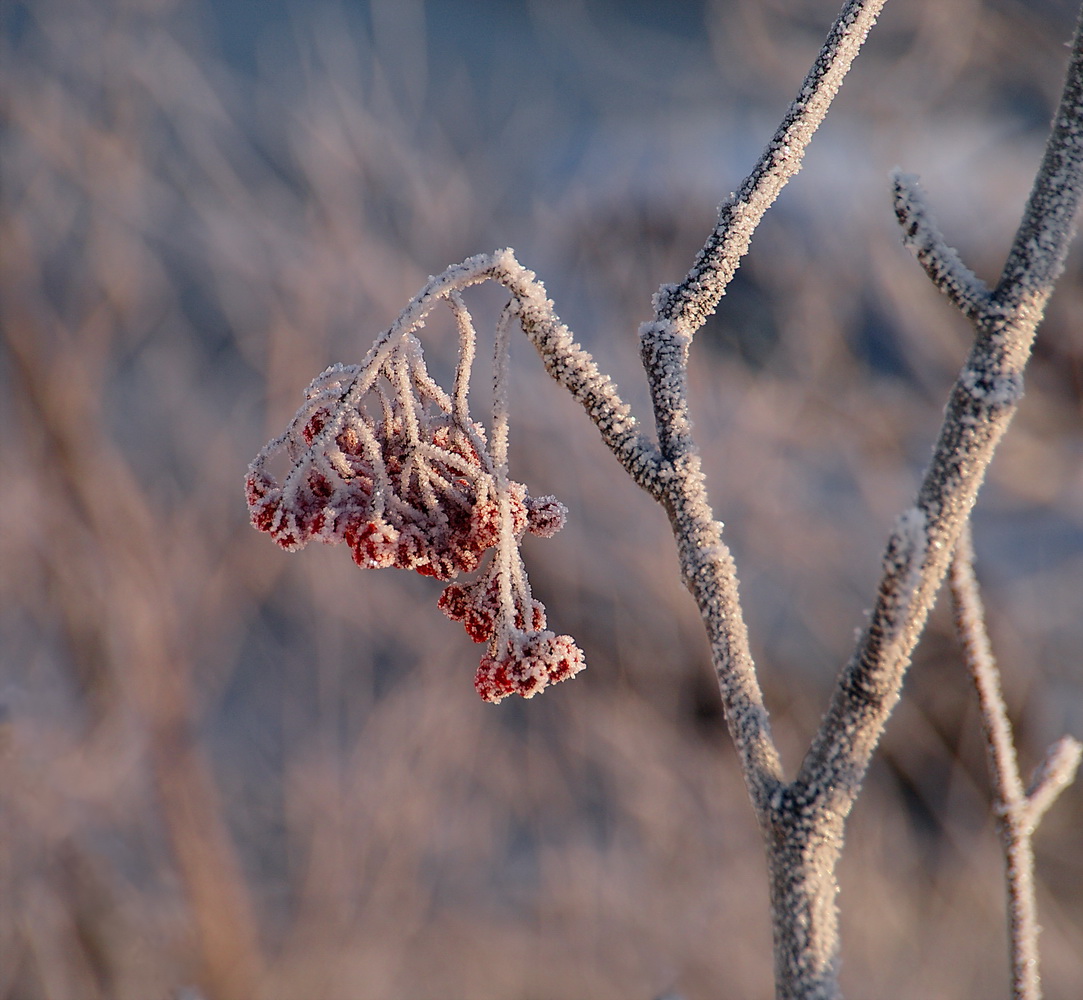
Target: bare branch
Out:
[1017,810]
[982,404]
[1041,243]
[1056,772]
[978,652]
[706,563]
[574,368]
[709,572]
[941,262]
[694,299]
[803,822]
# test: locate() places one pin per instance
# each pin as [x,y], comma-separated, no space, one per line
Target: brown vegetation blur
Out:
[269,773]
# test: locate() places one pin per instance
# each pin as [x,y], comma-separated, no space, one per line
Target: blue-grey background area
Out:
[205,204]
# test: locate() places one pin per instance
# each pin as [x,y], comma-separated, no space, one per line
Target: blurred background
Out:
[268,775]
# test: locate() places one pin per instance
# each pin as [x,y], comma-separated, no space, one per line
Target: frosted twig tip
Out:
[942,263]
[1055,773]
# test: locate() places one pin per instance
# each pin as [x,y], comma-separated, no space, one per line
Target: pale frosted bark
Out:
[1018,809]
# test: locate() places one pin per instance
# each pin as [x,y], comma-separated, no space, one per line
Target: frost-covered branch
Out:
[707,565]
[941,262]
[1018,809]
[679,310]
[982,404]
[1041,243]
[574,368]
[690,303]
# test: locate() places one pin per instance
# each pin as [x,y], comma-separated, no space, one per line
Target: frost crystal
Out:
[384,460]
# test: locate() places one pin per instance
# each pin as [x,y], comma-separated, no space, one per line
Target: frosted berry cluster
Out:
[382,459]
[523,656]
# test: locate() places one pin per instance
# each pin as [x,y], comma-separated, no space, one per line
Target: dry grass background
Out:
[210,750]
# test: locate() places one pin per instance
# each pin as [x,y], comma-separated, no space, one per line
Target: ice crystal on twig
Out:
[386,461]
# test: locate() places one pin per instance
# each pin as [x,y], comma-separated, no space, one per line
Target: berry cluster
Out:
[384,461]
[523,656]
[426,504]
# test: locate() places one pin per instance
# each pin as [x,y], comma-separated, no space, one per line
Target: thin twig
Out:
[695,298]
[941,262]
[1017,810]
